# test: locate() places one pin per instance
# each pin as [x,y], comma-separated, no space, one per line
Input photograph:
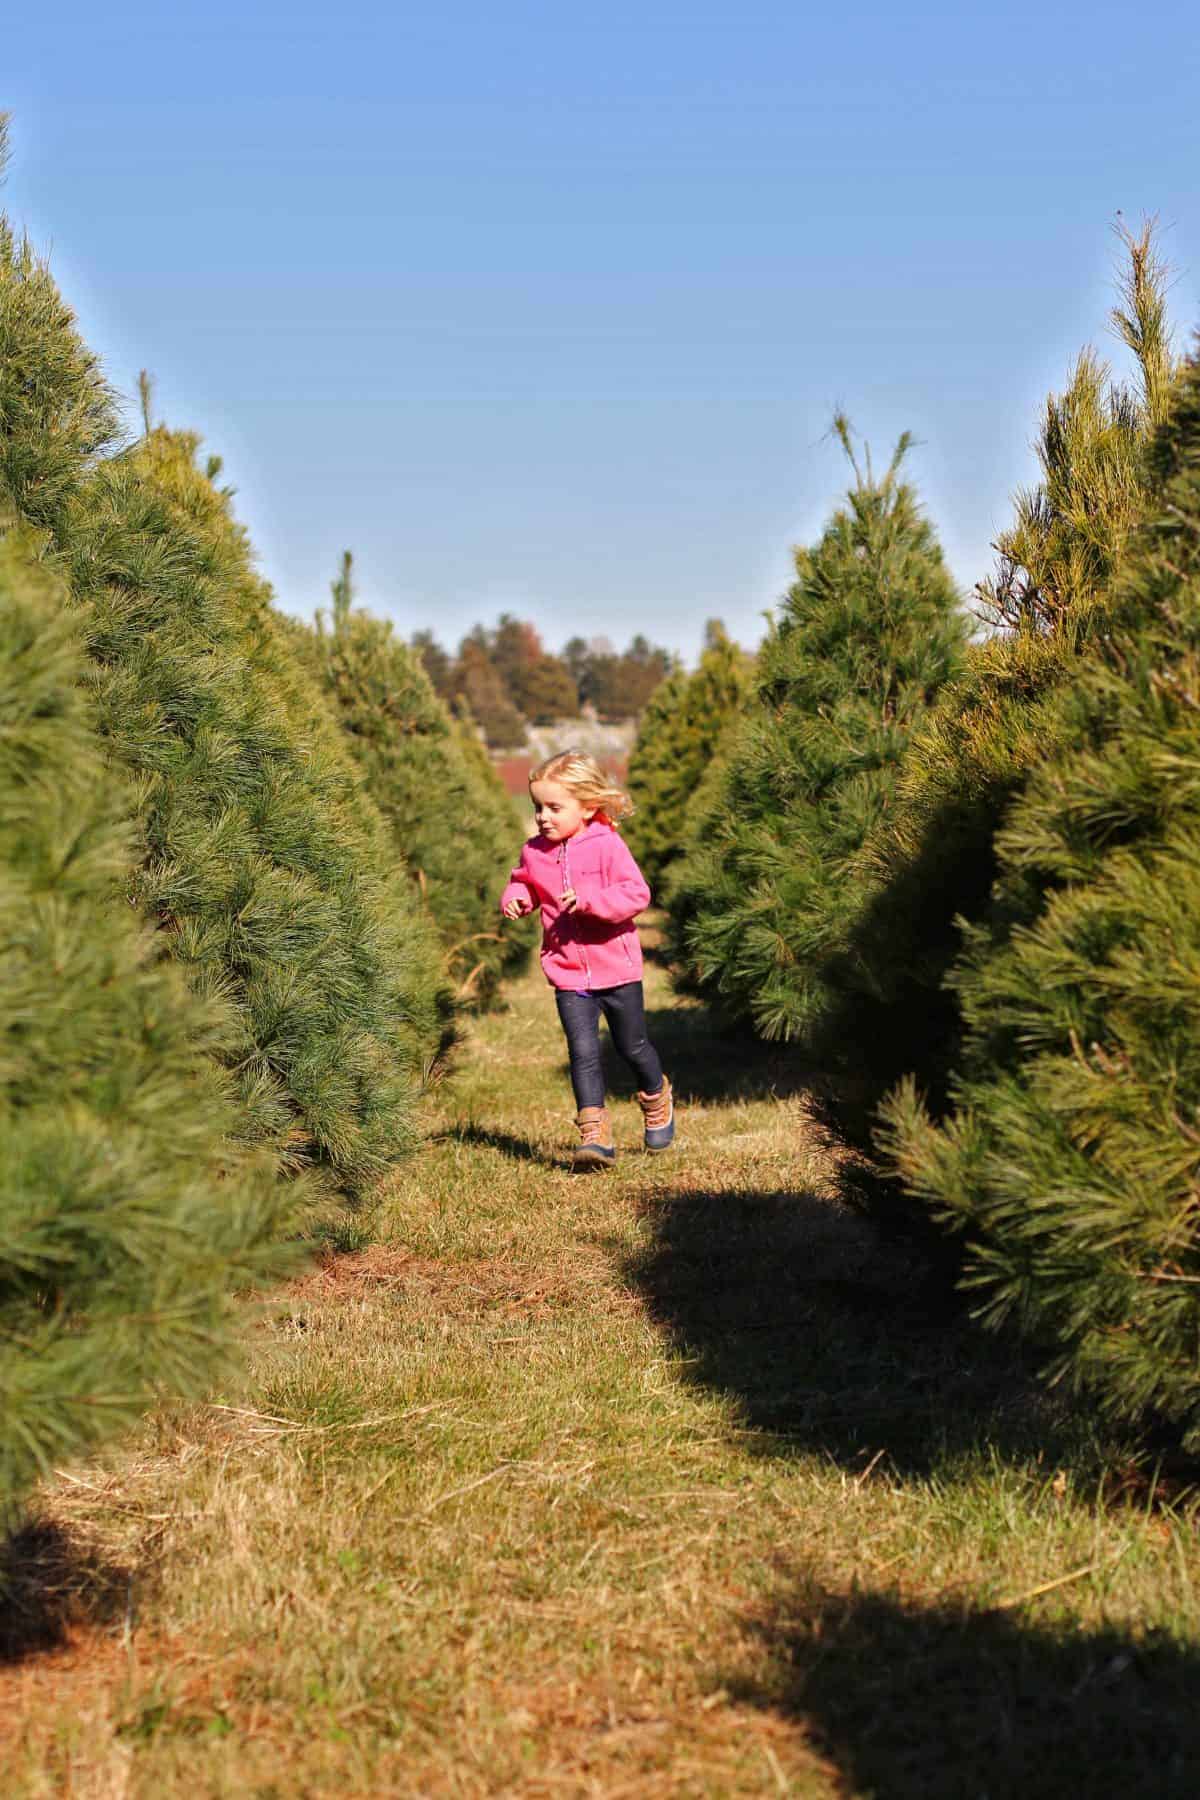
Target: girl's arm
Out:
[625,892]
[518,890]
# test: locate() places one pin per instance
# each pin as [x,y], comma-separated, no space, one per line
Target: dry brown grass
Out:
[655,1483]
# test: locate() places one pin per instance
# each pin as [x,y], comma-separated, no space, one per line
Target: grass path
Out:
[656,1482]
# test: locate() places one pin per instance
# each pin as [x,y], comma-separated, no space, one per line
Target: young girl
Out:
[580,873]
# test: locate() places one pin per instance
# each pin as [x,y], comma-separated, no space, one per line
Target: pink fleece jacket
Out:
[597,945]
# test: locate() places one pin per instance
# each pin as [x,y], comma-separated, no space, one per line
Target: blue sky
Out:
[547,308]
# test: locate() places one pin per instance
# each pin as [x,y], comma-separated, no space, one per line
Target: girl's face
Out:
[558,813]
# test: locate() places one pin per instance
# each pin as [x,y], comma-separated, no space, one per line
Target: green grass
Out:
[657,1482]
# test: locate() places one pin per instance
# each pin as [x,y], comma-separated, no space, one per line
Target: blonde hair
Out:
[583,777]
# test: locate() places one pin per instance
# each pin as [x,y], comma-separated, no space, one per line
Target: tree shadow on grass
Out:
[506,1143]
[708,1058]
[941,1702]
[51,1583]
[708,1054]
[831,1339]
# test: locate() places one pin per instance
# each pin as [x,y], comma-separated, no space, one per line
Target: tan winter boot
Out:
[658,1114]
[595,1149]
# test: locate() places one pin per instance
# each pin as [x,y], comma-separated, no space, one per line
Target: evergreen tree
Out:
[600,682]
[259,855]
[870,631]
[449,817]
[513,647]
[126,1215]
[687,723]
[575,655]
[437,665]
[617,686]
[525,683]
[482,693]
[547,693]
[329,949]
[643,666]
[931,861]
[1070,1158]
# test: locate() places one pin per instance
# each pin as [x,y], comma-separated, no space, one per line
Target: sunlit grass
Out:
[655,1482]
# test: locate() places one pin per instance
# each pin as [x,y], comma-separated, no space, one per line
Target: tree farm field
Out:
[657,1482]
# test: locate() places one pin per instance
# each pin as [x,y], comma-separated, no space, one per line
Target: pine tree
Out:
[258,854]
[577,656]
[436,663]
[262,844]
[642,667]
[870,631]
[1070,1159]
[126,1214]
[538,684]
[448,815]
[617,686]
[482,693]
[687,723]
[547,693]
[931,861]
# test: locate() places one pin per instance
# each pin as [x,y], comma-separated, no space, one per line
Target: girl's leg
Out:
[580,1015]
[625,1010]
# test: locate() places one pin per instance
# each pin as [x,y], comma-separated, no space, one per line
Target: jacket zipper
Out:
[564,860]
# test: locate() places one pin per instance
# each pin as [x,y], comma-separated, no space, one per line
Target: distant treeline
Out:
[506,680]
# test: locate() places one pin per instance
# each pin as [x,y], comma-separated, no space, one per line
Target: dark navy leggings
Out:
[625,1010]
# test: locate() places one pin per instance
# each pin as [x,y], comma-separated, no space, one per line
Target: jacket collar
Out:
[585,831]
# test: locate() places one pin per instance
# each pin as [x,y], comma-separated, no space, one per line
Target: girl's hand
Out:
[516,908]
[570,900]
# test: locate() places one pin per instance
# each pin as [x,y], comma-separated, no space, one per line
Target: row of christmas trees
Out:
[963,875]
[247,873]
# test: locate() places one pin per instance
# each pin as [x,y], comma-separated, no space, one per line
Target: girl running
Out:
[579,871]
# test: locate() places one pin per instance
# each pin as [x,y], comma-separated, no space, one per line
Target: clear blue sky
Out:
[547,307]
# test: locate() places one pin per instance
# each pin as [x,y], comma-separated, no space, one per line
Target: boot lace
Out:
[656,1108]
[591,1130]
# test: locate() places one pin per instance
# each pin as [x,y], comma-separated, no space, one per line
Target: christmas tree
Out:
[1070,1156]
[127,1215]
[258,855]
[686,724]
[448,815]
[931,861]
[870,631]
[538,684]
[480,691]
